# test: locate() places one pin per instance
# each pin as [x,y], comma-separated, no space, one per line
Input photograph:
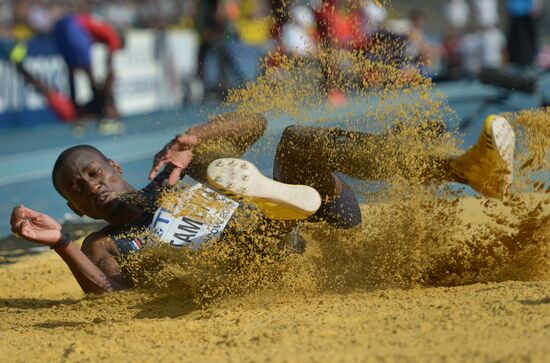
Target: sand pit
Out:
[44,316]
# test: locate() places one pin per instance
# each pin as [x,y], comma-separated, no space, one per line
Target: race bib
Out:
[196,216]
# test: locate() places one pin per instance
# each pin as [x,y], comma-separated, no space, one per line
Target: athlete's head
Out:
[89,181]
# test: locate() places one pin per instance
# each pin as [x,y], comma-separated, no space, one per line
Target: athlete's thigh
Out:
[303,157]
[299,155]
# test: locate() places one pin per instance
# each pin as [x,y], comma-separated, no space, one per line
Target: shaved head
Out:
[67,154]
[91,183]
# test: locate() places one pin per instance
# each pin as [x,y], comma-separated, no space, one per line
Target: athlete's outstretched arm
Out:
[233,131]
[40,228]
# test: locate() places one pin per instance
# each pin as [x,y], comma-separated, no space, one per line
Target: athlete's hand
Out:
[35,226]
[177,153]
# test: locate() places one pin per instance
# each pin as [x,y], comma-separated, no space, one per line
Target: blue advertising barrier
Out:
[20,103]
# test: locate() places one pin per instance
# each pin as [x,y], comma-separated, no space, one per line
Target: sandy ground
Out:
[44,316]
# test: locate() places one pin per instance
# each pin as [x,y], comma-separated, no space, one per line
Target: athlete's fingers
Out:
[22,225]
[157,165]
[19,219]
[17,215]
[174,176]
[17,227]
[29,213]
[16,231]
[179,156]
[20,216]
[14,216]
[26,230]
[177,159]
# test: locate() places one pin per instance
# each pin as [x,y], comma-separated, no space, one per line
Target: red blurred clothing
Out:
[345,28]
[62,106]
[100,31]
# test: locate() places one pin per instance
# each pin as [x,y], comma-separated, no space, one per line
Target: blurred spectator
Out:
[522,36]
[374,15]
[74,35]
[493,41]
[340,25]
[457,14]
[543,58]
[253,23]
[484,48]
[210,26]
[39,17]
[298,35]
[123,14]
[486,13]
[280,13]
[20,27]
[419,49]
[216,65]
[6,18]
[493,44]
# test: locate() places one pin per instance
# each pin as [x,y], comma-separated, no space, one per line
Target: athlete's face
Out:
[91,184]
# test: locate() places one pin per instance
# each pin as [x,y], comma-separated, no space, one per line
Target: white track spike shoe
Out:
[241,179]
[488,165]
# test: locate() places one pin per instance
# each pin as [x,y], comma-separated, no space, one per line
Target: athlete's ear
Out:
[115,166]
[73,208]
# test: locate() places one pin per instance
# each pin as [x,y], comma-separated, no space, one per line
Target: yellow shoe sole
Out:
[241,179]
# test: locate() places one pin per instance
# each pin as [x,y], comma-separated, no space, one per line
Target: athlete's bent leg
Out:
[311,156]
[305,156]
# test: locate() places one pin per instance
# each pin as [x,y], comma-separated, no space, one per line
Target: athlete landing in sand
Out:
[93,185]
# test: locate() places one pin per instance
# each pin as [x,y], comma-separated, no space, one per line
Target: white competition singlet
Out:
[199,215]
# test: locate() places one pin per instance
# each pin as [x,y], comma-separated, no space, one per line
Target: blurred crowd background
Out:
[453,39]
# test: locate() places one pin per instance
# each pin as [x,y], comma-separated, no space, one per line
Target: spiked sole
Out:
[504,140]
[501,141]
[241,179]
